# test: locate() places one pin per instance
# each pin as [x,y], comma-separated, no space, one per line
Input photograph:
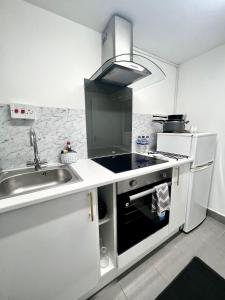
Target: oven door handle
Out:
[144,193]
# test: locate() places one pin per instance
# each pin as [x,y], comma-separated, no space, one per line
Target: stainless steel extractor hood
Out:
[120,66]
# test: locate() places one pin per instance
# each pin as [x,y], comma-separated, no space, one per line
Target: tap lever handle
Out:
[32,163]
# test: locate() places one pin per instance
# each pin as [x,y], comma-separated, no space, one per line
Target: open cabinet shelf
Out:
[107,269]
[107,227]
[104,220]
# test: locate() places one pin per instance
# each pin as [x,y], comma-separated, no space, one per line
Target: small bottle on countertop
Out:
[68,146]
[139,140]
[143,140]
[147,140]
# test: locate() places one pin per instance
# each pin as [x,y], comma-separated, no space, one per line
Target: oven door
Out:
[135,217]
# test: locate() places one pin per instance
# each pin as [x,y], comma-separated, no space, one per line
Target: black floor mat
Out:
[197,281]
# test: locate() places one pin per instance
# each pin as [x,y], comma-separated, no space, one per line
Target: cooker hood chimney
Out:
[120,66]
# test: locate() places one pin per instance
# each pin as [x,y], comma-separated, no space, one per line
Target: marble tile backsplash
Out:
[142,125]
[53,126]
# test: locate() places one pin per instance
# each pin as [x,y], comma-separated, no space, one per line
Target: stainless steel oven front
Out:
[135,217]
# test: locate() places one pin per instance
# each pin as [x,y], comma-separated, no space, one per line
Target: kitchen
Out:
[53,243]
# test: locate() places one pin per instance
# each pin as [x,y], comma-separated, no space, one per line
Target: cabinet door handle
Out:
[91,214]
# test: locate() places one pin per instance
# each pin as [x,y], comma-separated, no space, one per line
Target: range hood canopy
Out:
[120,66]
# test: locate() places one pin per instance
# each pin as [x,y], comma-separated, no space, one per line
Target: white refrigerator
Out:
[201,147]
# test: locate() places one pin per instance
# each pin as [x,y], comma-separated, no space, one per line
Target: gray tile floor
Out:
[149,278]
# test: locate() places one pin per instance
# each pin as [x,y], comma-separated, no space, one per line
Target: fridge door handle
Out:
[202,167]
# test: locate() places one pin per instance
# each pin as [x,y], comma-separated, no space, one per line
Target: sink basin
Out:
[13,183]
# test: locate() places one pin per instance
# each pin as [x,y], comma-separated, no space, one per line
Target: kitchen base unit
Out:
[50,251]
[122,262]
[61,250]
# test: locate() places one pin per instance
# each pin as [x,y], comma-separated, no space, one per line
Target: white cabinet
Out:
[179,196]
[50,251]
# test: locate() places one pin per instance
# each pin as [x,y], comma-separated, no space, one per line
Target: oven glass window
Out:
[136,219]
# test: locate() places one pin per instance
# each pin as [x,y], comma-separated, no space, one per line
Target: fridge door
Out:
[203,149]
[198,195]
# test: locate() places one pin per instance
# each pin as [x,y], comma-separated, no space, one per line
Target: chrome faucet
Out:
[37,163]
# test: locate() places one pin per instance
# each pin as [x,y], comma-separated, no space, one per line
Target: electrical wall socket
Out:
[22,111]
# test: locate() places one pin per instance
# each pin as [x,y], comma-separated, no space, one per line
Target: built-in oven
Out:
[136,219]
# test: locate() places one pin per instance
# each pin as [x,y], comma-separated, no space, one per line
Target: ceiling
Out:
[175,30]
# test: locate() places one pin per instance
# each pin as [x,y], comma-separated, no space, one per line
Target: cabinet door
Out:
[50,251]
[179,196]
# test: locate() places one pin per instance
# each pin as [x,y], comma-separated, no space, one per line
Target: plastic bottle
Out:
[68,146]
[139,140]
[143,140]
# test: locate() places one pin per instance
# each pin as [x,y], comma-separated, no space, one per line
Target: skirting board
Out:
[216,216]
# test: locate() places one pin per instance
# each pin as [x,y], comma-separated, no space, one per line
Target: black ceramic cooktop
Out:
[126,162]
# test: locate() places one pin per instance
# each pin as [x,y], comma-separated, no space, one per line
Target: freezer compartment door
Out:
[174,143]
[203,149]
[198,196]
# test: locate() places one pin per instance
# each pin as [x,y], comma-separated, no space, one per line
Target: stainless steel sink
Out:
[13,183]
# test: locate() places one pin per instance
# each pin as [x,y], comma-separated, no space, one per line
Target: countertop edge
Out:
[83,168]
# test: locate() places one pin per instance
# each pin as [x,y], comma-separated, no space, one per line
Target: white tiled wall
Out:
[54,126]
[142,125]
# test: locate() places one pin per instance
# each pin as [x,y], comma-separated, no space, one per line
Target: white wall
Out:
[201,94]
[159,97]
[44,58]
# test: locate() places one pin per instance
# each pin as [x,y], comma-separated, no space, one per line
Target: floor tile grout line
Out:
[125,295]
[161,275]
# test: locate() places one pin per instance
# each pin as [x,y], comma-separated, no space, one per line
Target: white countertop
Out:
[93,175]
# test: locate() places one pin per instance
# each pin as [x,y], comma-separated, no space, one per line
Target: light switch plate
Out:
[22,111]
